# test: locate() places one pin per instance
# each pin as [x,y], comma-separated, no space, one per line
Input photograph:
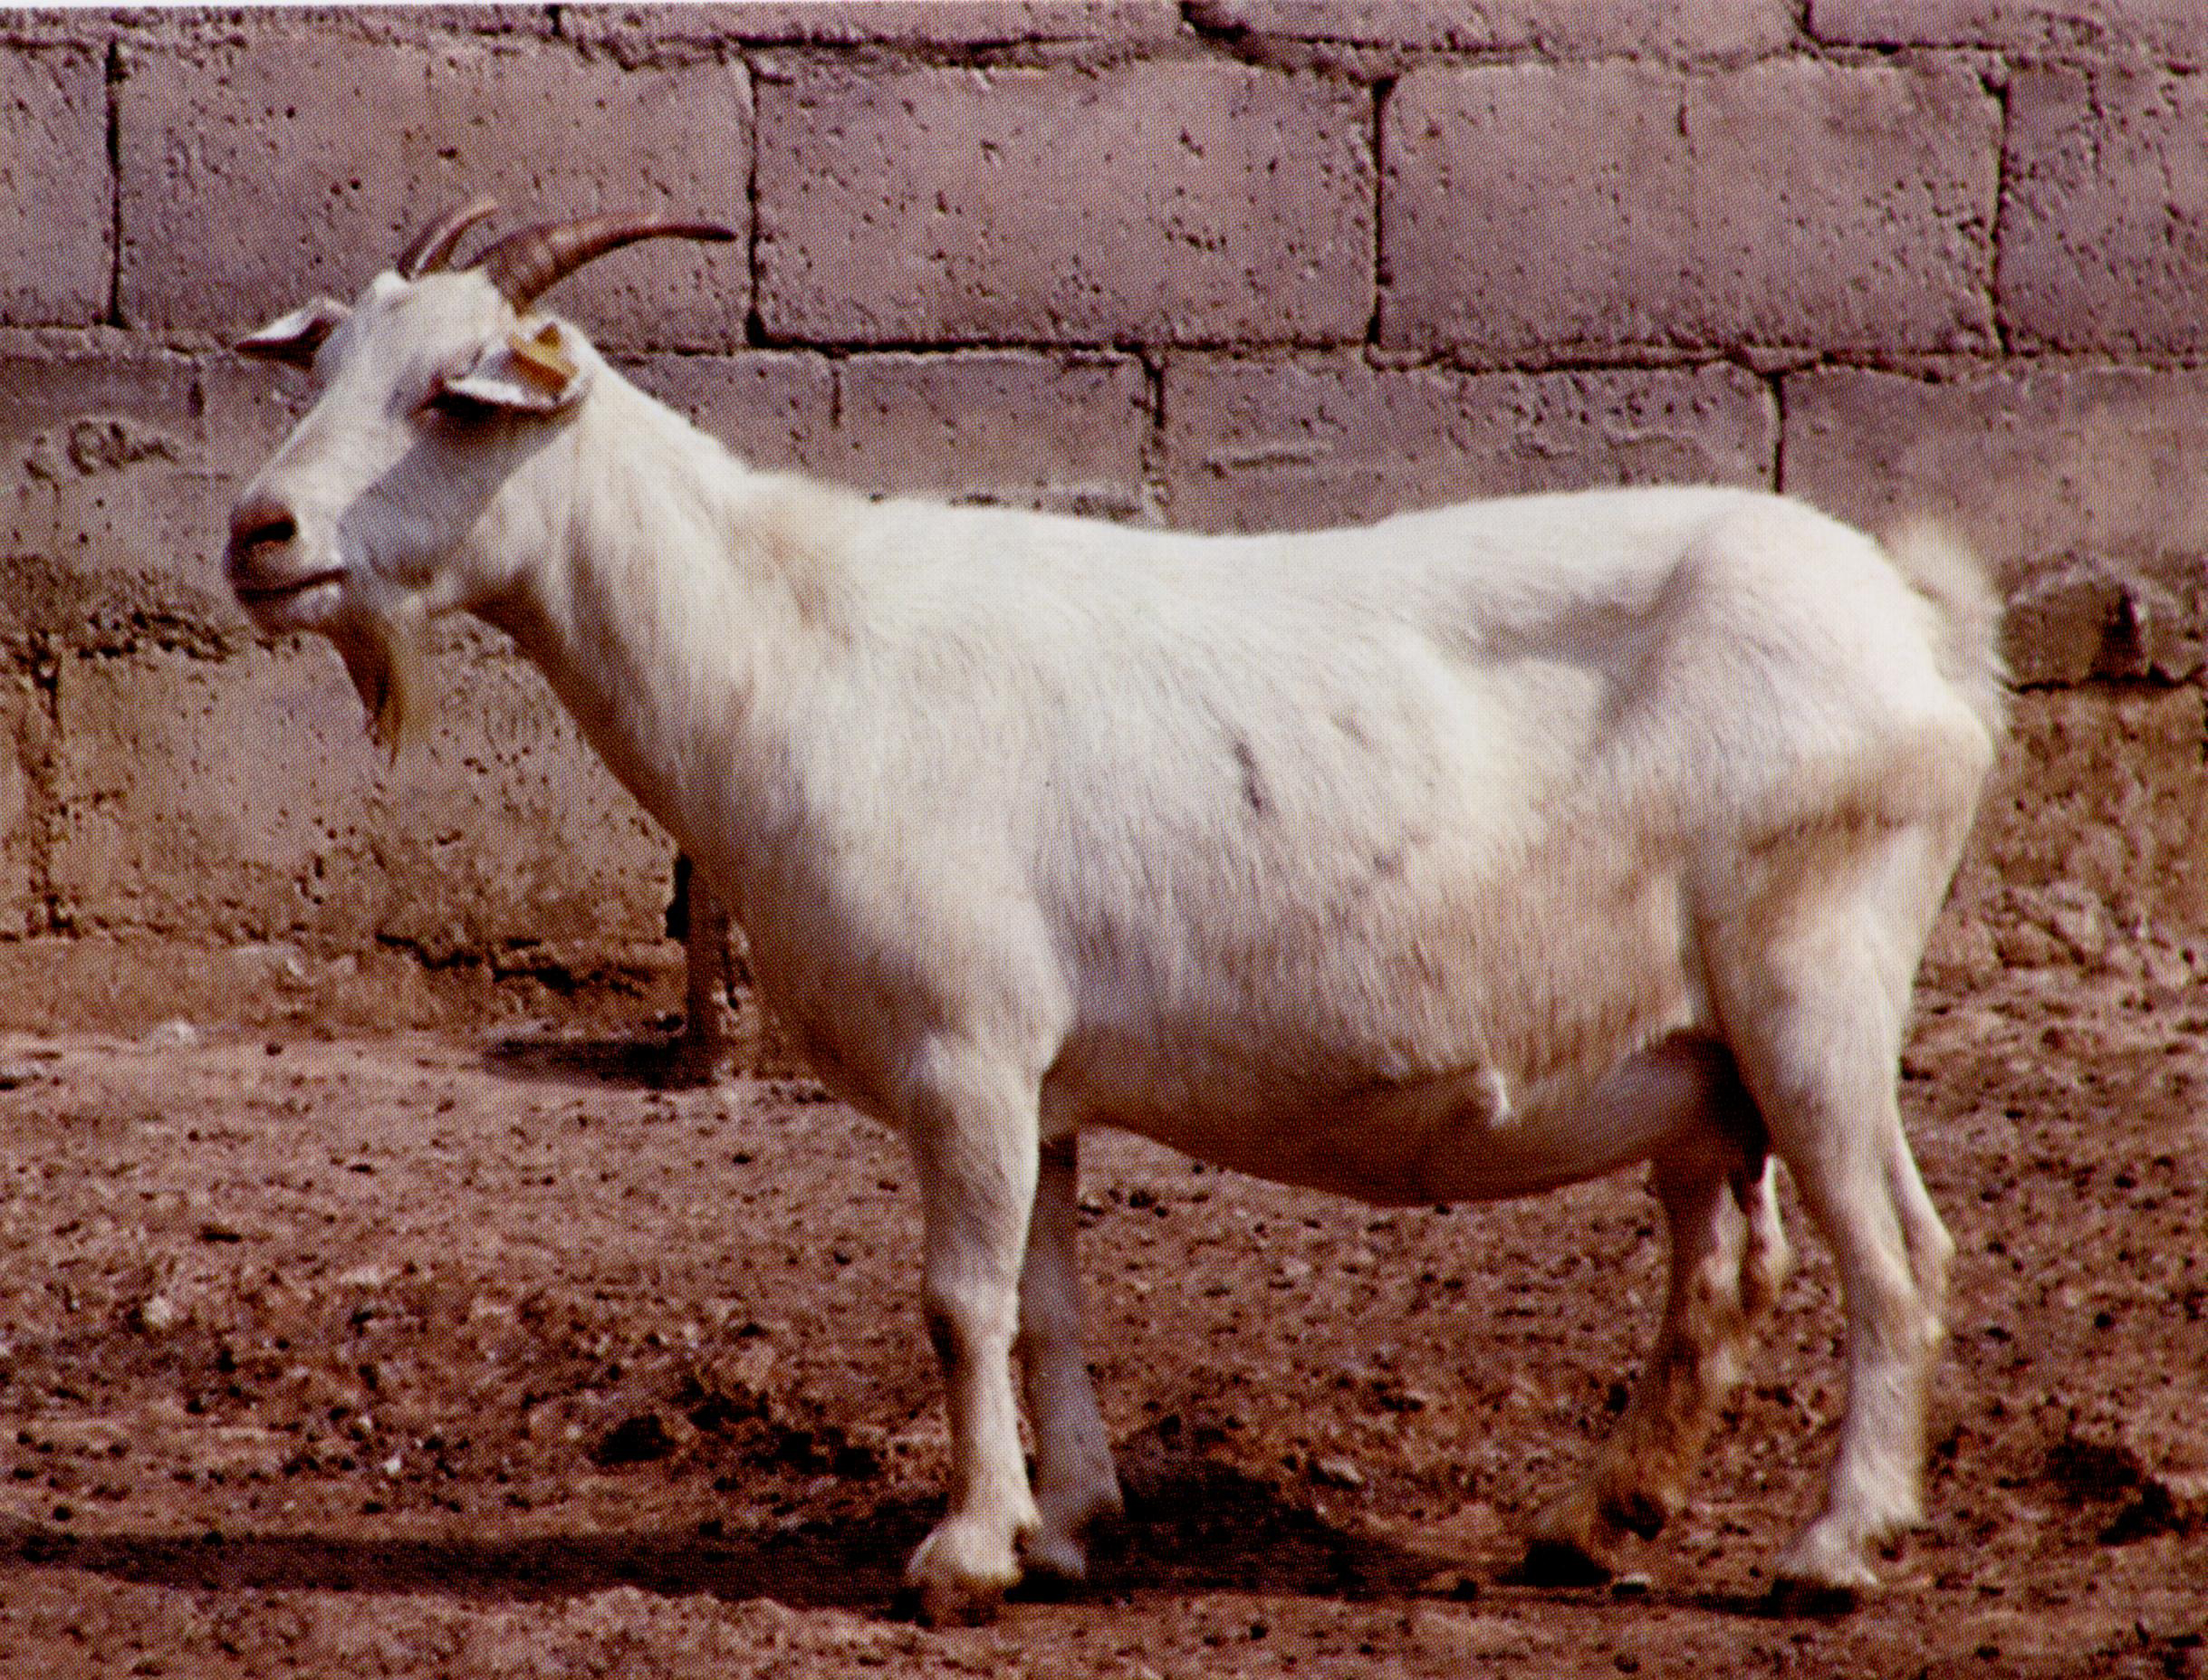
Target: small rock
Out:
[2095,619]
[156,1315]
[175,1035]
[286,959]
[1459,1585]
[1336,1472]
[731,1387]
[2079,920]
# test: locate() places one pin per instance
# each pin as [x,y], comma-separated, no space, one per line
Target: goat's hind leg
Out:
[1822,1053]
[1075,1483]
[1728,1258]
[1811,947]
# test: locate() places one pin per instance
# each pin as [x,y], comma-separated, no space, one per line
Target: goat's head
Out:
[436,385]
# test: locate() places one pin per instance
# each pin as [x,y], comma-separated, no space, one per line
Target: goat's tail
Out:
[1943,570]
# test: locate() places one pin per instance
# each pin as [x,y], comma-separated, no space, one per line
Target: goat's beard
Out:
[387,657]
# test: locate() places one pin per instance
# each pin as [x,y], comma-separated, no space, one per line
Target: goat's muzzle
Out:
[262,561]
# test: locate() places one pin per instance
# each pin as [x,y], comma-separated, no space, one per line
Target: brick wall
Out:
[1229,264]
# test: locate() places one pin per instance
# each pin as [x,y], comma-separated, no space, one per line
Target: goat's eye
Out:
[446,406]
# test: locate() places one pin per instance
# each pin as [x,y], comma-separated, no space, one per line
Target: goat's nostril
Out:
[259,525]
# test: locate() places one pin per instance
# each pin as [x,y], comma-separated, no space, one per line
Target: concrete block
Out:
[82,29]
[773,409]
[55,219]
[1161,202]
[23,735]
[508,832]
[2105,796]
[2077,482]
[2088,620]
[1321,442]
[405,22]
[240,799]
[2168,29]
[112,510]
[2081,856]
[250,407]
[1557,28]
[2104,211]
[1066,433]
[1059,431]
[227,798]
[967,25]
[316,155]
[1538,210]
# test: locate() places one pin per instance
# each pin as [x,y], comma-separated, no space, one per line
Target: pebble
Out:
[158,1314]
[1338,1472]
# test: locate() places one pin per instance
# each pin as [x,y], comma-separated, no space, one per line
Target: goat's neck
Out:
[665,605]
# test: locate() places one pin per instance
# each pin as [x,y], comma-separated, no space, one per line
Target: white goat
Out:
[1477,852]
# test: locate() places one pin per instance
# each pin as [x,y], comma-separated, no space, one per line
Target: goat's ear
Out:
[526,371]
[294,338]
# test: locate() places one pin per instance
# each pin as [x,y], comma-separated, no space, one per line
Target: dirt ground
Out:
[495,1354]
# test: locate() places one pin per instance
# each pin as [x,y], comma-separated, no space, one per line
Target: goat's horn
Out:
[431,248]
[525,265]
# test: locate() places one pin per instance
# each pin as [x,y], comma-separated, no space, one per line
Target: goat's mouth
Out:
[268,599]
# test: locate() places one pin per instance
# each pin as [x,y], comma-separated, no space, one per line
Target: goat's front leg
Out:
[973,1131]
[1075,1481]
[695,917]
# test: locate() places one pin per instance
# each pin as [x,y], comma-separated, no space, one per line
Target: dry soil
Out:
[501,1355]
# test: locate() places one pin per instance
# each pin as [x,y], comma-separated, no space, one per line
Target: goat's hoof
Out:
[941,1600]
[1574,1542]
[1550,1561]
[961,1572]
[1060,1556]
[1823,1567]
[1058,1546]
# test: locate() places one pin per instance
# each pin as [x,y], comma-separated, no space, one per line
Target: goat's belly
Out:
[1471,1134]
[1468,1048]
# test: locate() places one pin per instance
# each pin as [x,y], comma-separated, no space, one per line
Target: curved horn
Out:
[525,265]
[431,248]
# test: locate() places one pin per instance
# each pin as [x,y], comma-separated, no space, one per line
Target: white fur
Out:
[1468,854]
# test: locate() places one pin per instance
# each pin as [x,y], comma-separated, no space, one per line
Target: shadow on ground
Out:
[643,1062]
[1193,1524]
[802,1569]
